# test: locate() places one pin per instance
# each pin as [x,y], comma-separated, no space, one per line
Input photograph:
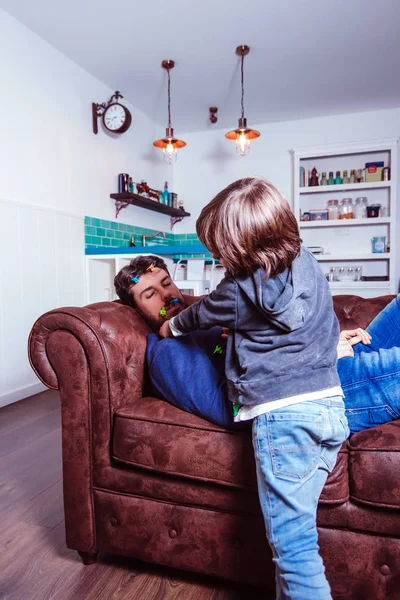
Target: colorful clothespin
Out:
[218,350]
[163,311]
[150,267]
[174,301]
[135,279]
[236,408]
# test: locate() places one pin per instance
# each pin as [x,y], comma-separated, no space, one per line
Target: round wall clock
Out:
[117,118]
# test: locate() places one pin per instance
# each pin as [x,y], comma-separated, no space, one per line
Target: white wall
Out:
[210,161]
[53,171]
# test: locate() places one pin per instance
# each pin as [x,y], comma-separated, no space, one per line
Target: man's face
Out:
[153,292]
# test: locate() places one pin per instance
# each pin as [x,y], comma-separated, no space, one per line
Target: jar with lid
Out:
[352,176]
[345,177]
[333,209]
[324,180]
[346,209]
[360,209]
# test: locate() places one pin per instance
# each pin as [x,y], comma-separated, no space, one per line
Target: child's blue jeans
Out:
[295,449]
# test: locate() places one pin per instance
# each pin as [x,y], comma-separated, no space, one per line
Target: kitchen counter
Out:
[187,249]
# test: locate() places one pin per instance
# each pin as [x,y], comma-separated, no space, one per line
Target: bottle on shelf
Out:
[331,180]
[345,177]
[131,188]
[166,196]
[352,176]
[338,179]
[333,209]
[324,180]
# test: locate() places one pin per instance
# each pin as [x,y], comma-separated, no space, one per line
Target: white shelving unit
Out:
[348,242]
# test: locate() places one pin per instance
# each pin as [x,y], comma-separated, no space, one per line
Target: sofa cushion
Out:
[374,466]
[153,435]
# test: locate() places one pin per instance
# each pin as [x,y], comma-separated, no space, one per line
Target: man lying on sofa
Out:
[189,371]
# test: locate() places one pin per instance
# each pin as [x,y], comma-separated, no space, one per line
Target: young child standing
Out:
[280,366]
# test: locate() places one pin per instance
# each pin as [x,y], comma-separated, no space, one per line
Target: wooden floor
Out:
[34,561]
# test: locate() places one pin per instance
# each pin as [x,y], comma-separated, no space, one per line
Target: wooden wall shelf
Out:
[126,198]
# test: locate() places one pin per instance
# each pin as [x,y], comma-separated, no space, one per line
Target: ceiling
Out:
[308,57]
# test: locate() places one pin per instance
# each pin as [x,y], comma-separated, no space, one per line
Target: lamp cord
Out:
[169,100]
[242,87]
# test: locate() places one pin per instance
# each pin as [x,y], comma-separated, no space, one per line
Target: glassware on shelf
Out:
[352,176]
[345,177]
[324,180]
[357,273]
[333,209]
[346,209]
[333,276]
[331,180]
[360,176]
[338,179]
[360,209]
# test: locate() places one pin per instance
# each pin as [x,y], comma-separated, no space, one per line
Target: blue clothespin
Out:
[174,301]
[135,279]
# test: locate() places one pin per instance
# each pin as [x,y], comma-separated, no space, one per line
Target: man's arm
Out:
[218,308]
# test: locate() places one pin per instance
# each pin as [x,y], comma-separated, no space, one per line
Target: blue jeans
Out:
[295,449]
[371,379]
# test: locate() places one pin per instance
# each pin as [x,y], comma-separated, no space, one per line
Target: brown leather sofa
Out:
[144,479]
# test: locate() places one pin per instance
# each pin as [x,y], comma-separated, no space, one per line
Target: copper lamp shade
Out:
[169,143]
[242,135]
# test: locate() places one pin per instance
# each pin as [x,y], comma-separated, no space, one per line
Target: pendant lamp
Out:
[242,135]
[169,143]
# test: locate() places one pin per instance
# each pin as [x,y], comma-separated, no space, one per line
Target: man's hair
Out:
[250,225]
[123,280]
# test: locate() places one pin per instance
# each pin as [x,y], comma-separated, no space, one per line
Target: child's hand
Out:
[165,330]
[354,336]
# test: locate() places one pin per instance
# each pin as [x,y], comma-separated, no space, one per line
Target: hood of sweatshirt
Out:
[285,299]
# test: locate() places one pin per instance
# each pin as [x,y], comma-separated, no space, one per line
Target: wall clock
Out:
[115,116]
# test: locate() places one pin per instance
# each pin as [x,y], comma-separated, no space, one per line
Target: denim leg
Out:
[371,385]
[295,449]
[384,329]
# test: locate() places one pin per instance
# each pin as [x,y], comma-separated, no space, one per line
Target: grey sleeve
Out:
[218,308]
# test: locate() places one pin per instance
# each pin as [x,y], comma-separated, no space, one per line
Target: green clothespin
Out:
[218,350]
[236,408]
[163,311]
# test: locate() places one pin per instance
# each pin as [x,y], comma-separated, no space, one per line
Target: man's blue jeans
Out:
[187,372]
[295,449]
[371,379]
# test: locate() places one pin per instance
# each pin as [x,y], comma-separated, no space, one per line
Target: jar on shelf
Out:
[324,180]
[345,177]
[346,209]
[333,209]
[360,209]
[352,176]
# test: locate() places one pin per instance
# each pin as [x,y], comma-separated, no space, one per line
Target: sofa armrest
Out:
[95,356]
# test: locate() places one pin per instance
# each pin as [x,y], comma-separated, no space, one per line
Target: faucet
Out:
[151,236]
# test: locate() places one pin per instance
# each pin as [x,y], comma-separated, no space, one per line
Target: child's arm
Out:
[218,308]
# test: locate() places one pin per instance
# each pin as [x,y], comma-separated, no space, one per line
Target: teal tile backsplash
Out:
[100,233]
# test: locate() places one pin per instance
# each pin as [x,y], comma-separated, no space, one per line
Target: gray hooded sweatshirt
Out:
[283,331]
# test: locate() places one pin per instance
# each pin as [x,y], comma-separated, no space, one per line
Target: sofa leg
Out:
[88,558]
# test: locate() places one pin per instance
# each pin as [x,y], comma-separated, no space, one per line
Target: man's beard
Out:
[156,322]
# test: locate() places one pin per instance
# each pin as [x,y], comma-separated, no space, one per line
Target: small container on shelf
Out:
[386,174]
[318,214]
[373,171]
[338,179]
[324,180]
[357,273]
[360,176]
[331,180]
[346,209]
[373,211]
[360,209]
[379,244]
[345,177]
[352,176]
[333,209]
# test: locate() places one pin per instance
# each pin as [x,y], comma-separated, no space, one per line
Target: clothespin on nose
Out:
[174,301]
[150,267]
